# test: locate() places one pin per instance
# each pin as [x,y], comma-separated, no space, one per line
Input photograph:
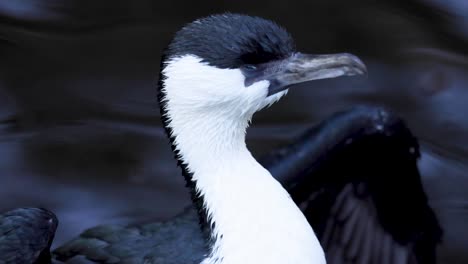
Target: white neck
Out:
[255,220]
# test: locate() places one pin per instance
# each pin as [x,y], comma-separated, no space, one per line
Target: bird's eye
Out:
[250,67]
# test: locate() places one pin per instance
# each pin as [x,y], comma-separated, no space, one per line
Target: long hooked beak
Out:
[300,68]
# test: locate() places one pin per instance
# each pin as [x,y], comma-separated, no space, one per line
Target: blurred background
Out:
[80,131]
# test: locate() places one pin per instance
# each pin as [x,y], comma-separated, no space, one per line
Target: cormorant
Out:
[353,175]
[216,73]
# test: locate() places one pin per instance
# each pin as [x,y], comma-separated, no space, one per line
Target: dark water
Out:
[80,131]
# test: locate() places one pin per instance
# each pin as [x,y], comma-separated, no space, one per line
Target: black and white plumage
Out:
[356,179]
[327,174]
[26,235]
[303,167]
[207,100]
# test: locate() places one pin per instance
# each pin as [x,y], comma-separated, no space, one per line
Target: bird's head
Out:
[234,65]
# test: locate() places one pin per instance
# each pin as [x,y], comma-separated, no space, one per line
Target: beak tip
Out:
[359,68]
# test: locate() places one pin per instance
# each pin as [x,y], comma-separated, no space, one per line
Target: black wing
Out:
[356,179]
[26,235]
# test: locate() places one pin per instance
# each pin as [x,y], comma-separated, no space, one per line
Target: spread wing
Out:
[356,179]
